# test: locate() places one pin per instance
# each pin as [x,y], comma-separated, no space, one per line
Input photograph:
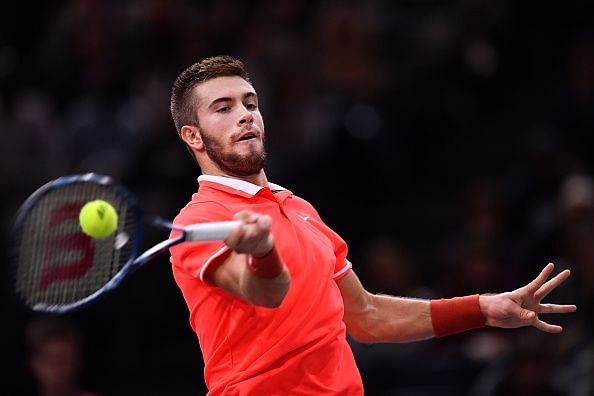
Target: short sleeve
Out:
[199,260]
[343,265]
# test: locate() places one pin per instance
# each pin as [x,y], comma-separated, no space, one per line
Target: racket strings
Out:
[56,263]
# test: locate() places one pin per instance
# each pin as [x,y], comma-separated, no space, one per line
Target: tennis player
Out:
[272,304]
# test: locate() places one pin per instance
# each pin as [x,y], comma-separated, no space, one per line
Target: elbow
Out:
[357,337]
[362,337]
[362,324]
[272,299]
[269,303]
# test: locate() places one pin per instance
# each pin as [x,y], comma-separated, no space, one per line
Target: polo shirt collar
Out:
[240,185]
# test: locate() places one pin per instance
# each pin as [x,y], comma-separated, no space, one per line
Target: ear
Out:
[191,135]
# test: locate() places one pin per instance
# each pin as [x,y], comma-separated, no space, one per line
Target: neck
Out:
[258,179]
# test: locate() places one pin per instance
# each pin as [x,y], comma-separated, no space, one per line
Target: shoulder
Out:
[304,206]
[200,211]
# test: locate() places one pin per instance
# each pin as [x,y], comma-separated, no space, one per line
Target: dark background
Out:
[448,142]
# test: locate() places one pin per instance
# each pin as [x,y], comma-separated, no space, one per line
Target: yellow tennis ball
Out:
[98,219]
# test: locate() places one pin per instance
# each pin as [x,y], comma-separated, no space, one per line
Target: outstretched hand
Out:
[521,307]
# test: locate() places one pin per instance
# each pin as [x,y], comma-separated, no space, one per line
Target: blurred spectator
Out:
[479,253]
[55,356]
[527,371]
[389,269]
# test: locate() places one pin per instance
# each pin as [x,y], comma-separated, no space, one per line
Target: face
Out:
[56,364]
[231,126]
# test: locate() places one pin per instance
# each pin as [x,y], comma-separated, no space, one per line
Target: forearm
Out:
[253,269]
[398,319]
[392,319]
[267,292]
[261,281]
[379,318]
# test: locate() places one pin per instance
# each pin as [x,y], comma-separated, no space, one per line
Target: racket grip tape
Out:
[215,231]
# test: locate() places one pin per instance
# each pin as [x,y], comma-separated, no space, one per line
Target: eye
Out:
[223,109]
[251,106]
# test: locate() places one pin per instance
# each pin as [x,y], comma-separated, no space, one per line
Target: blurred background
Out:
[448,142]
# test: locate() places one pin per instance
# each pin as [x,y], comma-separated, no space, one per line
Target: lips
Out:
[247,135]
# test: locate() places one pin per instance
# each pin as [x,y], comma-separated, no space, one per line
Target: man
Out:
[272,303]
[54,349]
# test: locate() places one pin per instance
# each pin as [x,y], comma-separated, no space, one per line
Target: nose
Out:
[246,116]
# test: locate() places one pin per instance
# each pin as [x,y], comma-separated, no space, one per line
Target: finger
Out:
[235,237]
[541,278]
[522,314]
[247,242]
[548,287]
[556,308]
[254,236]
[264,223]
[547,327]
[247,216]
[267,241]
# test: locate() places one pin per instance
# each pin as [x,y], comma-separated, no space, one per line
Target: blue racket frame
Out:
[134,262]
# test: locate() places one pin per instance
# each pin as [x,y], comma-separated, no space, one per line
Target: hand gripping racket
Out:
[58,268]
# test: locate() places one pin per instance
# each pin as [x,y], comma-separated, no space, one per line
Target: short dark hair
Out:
[183,102]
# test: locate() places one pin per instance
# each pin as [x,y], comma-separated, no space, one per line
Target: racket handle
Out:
[216,231]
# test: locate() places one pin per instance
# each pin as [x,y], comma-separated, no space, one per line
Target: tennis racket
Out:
[58,268]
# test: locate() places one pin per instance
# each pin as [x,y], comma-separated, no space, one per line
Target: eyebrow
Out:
[245,96]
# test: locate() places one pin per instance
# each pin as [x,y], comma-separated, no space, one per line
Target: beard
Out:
[234,164]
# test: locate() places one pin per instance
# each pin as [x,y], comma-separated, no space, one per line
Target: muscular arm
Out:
[234,275]
[378,318]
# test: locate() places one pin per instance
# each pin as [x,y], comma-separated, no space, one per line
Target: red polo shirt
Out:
[297,348]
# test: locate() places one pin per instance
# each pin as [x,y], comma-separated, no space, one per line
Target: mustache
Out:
[252,128]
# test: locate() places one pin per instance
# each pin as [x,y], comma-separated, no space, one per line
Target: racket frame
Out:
[194,232]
